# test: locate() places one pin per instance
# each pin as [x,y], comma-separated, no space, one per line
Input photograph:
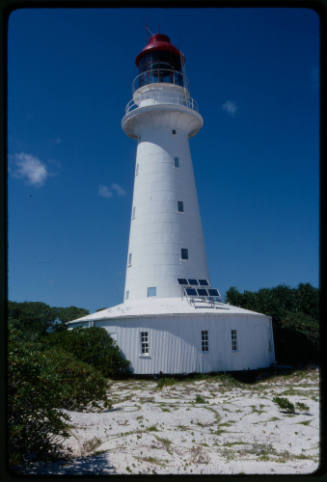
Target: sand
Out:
[233,428]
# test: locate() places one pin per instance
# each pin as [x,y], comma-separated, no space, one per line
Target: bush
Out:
[41,382]
[284,404]
[164,382]
[93,346]
[199,399]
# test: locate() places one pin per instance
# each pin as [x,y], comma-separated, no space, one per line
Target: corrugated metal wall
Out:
[175,342]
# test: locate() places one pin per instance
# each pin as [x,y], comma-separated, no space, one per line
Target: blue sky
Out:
[255,75]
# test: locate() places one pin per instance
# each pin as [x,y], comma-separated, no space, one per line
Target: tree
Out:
[42,381]
[93,346]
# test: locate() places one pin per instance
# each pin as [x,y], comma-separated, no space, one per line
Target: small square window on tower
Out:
[152,291]
[137,170]
[176,161]
[173,132]
[184,253]
[180,206]
[133,212]
[130,259]
[127,295]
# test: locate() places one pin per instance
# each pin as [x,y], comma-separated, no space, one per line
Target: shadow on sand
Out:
[91,465]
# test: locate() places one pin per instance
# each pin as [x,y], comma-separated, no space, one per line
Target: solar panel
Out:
[193,282]
[190,291]
[202,292]
[203,282]
[213,292]
[182,281]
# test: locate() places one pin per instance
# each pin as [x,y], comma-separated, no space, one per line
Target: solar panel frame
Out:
[182,281]
[190,291]
[202,292]
[203,282]
[193,282]
[213,292]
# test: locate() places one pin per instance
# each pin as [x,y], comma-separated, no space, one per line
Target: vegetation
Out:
[50,369]
[165,382]
[284,404]
[295,315]
[93,346]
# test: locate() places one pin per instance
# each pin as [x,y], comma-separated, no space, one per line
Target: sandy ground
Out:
[235,428]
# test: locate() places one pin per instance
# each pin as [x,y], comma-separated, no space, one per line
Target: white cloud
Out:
[107,192]
[230,107]
[30,168]
[104,191]
[119,190]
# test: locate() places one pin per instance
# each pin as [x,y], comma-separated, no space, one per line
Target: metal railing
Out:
[190,102]
[160,75]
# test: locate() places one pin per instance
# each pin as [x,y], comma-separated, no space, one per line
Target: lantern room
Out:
[160,62]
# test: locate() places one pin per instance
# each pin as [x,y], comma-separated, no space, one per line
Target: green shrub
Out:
[284,404]
[164,382]
[82,384]
[41,382]
[93,346]
[199,399]
[301,406]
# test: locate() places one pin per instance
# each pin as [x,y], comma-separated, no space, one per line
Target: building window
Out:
[144,336]
[130,259]
[133,212]
[180,206]
[176,161]
[127,295]
[137,170]
[184,253]
[234,340]
[204,340]
[173,132]
[152,291]
[91,324]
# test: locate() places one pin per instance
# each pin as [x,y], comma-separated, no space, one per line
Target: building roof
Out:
[164,306]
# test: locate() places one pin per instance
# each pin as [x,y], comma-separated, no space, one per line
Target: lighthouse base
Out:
[170,336]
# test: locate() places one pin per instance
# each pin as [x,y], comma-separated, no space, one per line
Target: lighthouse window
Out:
[184,253]
[234,340]
[137,170]
[205,340]
[176,161]
[144,338]
[173,132]
[130,259]
[127,295]
[152,291]
[133,212]
[180,206]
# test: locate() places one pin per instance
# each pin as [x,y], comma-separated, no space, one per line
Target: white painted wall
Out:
[158,231]
[175,342]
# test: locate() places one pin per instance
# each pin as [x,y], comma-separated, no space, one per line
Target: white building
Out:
[172,320]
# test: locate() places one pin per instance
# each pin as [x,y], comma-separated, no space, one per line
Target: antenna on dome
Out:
[148,30]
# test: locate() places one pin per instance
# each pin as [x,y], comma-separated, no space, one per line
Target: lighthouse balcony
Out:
[159,99]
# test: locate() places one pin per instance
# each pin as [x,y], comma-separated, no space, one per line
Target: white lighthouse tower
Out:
[172,320]
[166,241]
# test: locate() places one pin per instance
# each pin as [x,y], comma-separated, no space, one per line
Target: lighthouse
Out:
[166,240]
[172,319]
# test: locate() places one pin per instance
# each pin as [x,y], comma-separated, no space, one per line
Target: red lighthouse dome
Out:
[160,43]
